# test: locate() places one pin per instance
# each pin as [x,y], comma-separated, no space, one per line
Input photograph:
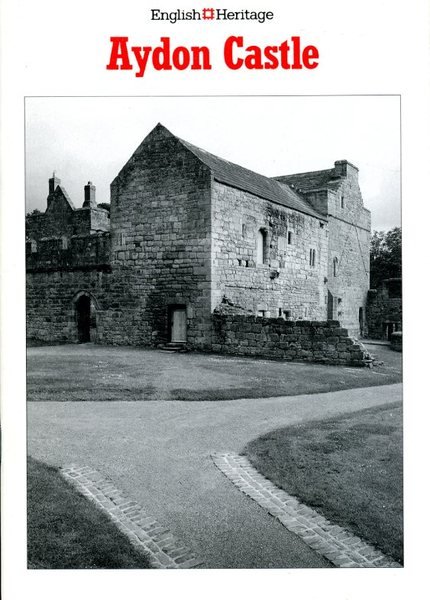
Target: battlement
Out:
[60,253]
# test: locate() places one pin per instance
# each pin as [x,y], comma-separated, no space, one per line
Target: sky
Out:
[90,138]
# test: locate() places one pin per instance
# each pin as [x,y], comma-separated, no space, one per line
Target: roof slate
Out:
[249,181]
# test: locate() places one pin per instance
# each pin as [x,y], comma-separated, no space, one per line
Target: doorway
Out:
[83,318]
[361,320]
[178,323]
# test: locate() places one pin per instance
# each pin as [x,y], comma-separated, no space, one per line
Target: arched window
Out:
[335,266]
[262,250]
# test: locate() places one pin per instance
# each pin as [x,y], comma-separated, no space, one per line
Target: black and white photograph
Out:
[214,333]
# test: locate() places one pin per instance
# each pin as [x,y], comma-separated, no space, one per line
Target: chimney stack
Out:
[343,168]
[89,196]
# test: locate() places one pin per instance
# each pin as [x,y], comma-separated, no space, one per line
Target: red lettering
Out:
[272,60]
[253,60]
[228,52]
[142,59]
[181,58]
[161,56]
[204,52]
[310,53]
[119,52]
[297,63]
[284,49]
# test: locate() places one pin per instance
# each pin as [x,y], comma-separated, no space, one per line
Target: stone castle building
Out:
[191,236]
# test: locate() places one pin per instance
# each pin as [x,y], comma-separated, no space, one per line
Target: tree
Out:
[385,256]
[36,211]
[104,205]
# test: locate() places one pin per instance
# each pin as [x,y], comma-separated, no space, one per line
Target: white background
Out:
[367,47]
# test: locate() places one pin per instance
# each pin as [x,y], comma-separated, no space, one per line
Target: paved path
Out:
[159,454]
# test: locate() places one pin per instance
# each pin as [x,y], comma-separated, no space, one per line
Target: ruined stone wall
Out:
[62,253]
[286,281]
[349,243]
[309,341]
[160,225]
[383,311]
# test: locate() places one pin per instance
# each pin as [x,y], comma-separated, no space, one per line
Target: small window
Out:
[261,313]
[64,243]
[262,247]
[121,239]
[243,230]
[342,201]
[279,312]
[312,255]
[286,314]
[335,266]
[290,237]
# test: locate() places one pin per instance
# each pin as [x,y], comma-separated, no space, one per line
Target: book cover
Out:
[204,298]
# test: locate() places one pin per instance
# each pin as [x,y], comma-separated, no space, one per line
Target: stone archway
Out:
[85,317]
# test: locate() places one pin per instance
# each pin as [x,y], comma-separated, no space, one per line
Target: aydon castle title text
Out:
[289,54]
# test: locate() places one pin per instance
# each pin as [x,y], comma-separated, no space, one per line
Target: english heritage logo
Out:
[211,14]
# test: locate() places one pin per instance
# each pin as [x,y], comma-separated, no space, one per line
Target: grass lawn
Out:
[349,469]
[67,531]
[90,372]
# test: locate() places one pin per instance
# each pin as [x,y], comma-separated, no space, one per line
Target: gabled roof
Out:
[244,179]
[59,193]
[312,180]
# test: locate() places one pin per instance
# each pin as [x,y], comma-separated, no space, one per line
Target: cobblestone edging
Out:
[143,531]
[338,545]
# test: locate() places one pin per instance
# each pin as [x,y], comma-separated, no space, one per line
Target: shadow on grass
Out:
[67,531]
[349,469]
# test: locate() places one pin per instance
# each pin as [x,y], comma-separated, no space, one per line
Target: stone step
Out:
[173,347]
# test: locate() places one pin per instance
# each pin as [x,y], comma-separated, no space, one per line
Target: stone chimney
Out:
[89,196]
[343,168]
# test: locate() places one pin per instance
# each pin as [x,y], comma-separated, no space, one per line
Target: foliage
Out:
[104,205]
[36,211]
[385,256]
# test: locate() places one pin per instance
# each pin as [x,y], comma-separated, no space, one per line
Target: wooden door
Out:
[179,325]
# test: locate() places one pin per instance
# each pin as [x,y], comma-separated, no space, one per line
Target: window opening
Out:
[262,249]
[335,266]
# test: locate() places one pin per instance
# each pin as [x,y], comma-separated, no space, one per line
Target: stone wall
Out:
[161,239]
[384,310]
[286,281]
[50,303]
[310,341]
[62,220]
[349,243]
[62,253]
[336,194]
